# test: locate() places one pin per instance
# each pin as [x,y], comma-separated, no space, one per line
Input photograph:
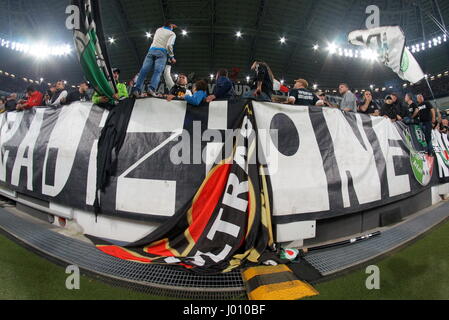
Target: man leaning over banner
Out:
[122,91]
[161,49]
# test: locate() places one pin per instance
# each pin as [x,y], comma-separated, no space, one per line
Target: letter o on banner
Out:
[287,139]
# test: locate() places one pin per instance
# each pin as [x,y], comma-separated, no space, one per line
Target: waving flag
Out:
[90,45]
[389,44]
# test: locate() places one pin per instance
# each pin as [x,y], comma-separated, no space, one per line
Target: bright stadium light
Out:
[238,34]
[184,32]
[111,40]
[283,40]
[211,76]
[332,48]
[40,50]
[316,47]
[148,35]
[247,78]
[315,86]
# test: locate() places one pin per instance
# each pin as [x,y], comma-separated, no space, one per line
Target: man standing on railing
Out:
[427,118]
[161,49]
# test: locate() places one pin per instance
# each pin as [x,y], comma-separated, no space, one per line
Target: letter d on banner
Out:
[373,20]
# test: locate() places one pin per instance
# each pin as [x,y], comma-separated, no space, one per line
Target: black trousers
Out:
[427,127]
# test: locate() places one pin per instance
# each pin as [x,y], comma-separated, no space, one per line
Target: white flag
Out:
[389,44]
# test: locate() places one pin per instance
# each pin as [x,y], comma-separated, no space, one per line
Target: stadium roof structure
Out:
[211,41]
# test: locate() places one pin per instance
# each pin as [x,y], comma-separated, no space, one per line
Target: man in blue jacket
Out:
[224,88]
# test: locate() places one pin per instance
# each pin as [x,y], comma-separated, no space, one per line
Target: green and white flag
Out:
[91,48]
[389,45]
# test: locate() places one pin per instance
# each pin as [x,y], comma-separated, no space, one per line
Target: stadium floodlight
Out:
[332,48]
[282,81]
[238,34]
[315,86]
[316,47]
[184,32]
[247,78]
[283,40]
[148,35]
[111,40]
[211,76]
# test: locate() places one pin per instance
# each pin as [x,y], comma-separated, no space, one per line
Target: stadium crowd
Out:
[264,87]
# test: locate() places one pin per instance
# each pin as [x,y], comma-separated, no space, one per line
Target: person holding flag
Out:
[122,92]
[160,51]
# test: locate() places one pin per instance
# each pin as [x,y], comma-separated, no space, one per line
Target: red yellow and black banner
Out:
[228,221]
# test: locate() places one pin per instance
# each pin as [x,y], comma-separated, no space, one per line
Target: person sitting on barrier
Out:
[122,92]
[35,99]
[300,95]
[368,106]
[78,95]
[224,88]
[262,82]
[156,59]
[412,109]
[349,102]
[199,93]
[427,118]
[179,90]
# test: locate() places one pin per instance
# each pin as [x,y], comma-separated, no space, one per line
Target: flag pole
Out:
[431,92]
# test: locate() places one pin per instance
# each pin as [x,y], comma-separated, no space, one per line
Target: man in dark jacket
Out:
[427,118]
[402,109]
[78,95]
[224,89]
[389,110]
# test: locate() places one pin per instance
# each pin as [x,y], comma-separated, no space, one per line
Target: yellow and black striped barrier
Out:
[275,283]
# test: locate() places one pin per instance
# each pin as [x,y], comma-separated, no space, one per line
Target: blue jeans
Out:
[263,96]
[155,62]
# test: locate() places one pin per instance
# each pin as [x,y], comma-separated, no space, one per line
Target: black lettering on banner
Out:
[379,157]
[330,164]
[51,166]
[352,121]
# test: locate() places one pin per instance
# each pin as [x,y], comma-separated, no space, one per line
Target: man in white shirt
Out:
[161,49]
